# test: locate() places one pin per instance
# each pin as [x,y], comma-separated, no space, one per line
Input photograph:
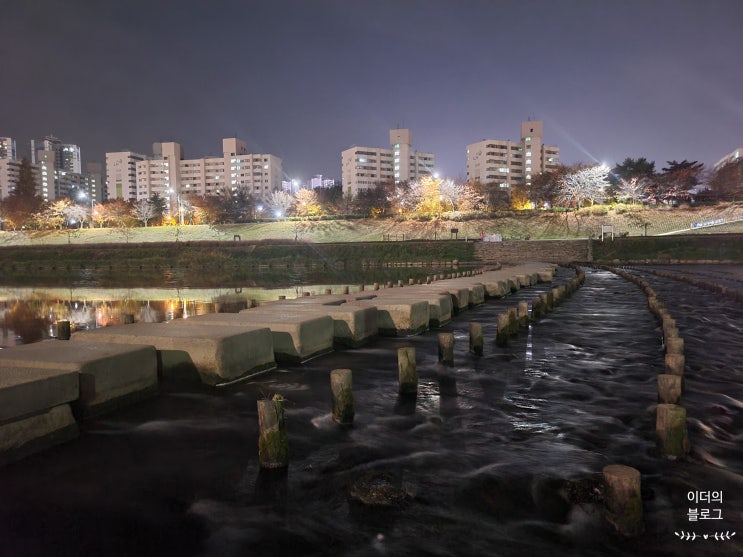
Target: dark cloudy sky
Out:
[305,79]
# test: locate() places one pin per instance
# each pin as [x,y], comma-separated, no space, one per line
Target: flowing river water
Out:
[497,455]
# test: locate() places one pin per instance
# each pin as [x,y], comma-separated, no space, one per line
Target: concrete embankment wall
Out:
[554,251]
[670,249]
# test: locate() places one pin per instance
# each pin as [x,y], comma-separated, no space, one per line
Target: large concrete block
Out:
[296,335]
[397,317]
[460,297]
[25,390]
[216,354]
[440,304]
[24,436]
[353,325]
[110,375]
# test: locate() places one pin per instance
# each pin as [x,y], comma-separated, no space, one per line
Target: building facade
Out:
[170,176]
[121,174]
[7,149]
[502,163]
[66,156]
[363,168]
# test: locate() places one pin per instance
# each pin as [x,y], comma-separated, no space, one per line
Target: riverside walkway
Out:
[47,387]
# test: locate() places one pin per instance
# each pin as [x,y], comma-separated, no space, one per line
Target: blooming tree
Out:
[584,185]
[280,202]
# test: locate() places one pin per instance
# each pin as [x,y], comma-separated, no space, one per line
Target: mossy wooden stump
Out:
[669,388]
[670,426]
[341,385]
[63,330]
[675,363]
[674,345]
[502,332]
[476,341]
[536,308]
[273,444]
[513,322]
[523,314]
[446,349]
[407,371]
[623,499]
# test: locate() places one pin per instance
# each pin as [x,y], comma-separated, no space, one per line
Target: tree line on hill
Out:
[634,181]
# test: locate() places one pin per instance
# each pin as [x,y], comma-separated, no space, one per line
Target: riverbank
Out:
[536,225]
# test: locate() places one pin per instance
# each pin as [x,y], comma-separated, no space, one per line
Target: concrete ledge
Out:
[440,304]
[296,336]
[110,375]
[22,437]
[25,391]
[460,297]
[400,318]
[212,355]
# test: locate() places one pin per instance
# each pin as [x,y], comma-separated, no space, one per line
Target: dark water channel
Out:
[486,459]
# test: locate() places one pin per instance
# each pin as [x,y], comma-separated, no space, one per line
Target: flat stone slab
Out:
[440,305]
[30,434]
[296,336]
[217,354]
[353,325]
[110,375]
[398,317]
[25,391]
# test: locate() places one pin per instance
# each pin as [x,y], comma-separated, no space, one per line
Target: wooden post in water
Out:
[446,348]
[407,371]
[675,363]
[63,330]
[523,313]
[670,426]
[476,342]
[341,385]
[273,445]
[623,499]
[361,288]
[536,308]
[376,286]
[669,388]
[674,345]
[513,322]
[502,332]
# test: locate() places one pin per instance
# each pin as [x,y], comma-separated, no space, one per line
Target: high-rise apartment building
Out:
[169,175]
[503,163]
[121,174]
[66,156]
[7,148]
[368,167]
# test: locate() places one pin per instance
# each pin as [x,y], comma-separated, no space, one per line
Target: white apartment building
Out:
[504,163]
[66,156]
[121,174]
[9,174]
[368,167]
[170,175]
[7,148]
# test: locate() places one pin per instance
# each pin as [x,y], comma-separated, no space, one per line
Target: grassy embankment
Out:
[518,225]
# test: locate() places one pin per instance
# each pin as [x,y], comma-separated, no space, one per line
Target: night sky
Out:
[305,79]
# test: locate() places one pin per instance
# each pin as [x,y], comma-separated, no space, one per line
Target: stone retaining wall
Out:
[554,251]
